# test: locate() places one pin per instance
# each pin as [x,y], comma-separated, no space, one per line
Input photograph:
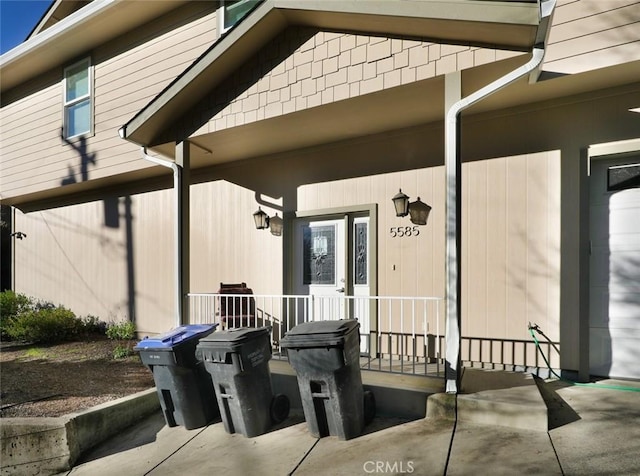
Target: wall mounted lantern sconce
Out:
[401,204]
[262,221]
[276,225]
[418,210]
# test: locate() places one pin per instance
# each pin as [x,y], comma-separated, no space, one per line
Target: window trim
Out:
[221,11]
[66,105]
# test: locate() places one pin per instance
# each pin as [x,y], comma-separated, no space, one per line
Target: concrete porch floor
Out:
[591,430]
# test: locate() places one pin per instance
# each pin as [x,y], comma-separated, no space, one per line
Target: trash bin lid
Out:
[234,337]
[319,333]
[172,338]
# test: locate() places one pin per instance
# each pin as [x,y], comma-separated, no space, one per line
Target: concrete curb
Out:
[53,445]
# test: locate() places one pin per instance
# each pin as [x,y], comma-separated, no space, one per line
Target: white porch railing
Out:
[397,334]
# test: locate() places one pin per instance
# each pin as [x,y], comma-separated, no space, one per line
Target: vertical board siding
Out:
[511,254]
[511,233]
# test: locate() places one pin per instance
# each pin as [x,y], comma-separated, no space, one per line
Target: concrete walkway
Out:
[593,431]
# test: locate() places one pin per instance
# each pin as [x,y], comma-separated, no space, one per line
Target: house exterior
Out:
[320,112]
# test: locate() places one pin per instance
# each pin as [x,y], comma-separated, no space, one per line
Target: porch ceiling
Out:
[404,106]
[497,24]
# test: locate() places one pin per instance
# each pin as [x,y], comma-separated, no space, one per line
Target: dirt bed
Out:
[51,381]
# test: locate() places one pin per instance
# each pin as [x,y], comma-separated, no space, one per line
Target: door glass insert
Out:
[360,253]
[319,249]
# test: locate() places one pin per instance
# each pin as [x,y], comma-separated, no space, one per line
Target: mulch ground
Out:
[51,381]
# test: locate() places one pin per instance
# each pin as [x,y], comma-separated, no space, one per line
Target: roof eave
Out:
[432,20]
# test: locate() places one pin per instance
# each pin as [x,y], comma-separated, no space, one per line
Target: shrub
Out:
[121,352]
[45,326]
[11,305]
[93,325]
[121,331]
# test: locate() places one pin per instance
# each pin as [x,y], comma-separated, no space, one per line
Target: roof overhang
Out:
[394,109]
[507,25]
[78,33]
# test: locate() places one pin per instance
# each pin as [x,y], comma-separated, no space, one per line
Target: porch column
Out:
[452,95]
[182,233]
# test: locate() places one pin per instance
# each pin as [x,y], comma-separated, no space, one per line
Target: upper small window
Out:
[78,108]
[623,177]
[233,11]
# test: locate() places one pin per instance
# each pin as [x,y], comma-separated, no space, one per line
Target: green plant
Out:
[121,331]
[93,325]
[45,326]
[121,352]
[35,353]
[11,305]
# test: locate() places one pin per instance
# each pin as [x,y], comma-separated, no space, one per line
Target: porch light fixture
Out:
[401,204]
[276,225]
[261,219]
[419,212]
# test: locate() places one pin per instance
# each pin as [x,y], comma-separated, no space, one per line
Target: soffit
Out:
[58,10]
[497,24]
[80,32]
[393,109]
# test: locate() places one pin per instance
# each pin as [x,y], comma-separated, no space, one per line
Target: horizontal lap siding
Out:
[128,73]
[592,34]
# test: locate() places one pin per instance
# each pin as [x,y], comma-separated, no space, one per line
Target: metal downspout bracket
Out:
[453,168]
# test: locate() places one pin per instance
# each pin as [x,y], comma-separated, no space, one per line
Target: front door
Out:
[614,345]
[332,265]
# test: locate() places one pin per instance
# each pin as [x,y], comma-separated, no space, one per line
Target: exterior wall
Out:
[303,68]
[521,262]
[128,73]
[114,258]
[592,34]
[511,239]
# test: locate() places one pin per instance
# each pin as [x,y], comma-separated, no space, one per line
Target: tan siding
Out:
[510,246]
[591,34]
[128,73]
[326,67]
[226,247]
[511,228]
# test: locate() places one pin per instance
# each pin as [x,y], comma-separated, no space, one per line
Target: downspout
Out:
[453,193]
[177,177]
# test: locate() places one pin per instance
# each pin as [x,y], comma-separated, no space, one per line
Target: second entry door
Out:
[331,262]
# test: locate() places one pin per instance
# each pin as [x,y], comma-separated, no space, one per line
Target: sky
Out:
[17,19]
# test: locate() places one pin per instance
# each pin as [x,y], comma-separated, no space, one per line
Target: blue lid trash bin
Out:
[325,356]
[238,361]
[184,386]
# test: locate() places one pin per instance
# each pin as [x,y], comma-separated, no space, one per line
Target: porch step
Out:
[396,395]
[496,397]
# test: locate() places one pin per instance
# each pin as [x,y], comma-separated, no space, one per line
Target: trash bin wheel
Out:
[279,408]
[369,406]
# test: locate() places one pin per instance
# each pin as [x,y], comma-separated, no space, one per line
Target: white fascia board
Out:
[64,26]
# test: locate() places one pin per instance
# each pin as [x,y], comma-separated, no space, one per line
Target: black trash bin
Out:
[184,386]
[326,358]
[238,361]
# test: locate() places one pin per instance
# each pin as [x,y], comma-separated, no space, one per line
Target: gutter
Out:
[453,168]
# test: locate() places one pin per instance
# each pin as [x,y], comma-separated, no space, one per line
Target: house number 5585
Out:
[401,231]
